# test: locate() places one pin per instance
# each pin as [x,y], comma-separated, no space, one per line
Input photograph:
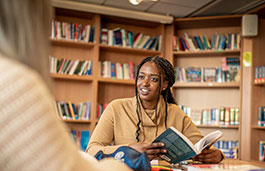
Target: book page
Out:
[208,140]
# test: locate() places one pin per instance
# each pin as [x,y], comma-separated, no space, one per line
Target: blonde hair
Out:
[24,32]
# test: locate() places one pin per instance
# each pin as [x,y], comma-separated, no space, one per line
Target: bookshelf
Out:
[203,95]
[254,94]
[95,88]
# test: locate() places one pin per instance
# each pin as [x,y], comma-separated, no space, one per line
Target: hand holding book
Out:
[180,148]
[153,150]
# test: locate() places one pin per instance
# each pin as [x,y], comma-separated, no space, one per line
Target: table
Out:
[226,164]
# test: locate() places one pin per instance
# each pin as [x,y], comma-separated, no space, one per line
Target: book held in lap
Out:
[180,148]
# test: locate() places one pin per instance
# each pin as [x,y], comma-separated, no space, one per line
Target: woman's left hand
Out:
[209,155]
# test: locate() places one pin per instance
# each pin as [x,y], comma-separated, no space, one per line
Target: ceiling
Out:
[183,8]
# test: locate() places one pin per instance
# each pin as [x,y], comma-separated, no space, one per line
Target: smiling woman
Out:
[137,121]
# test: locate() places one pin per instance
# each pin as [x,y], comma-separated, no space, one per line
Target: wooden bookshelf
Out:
[258,127]
[71,43]
[205,95]
[209,53]
[72,77]
[253,94]
[77,121]
[206,85]
[219,126]
[116,81]
[95,88]
[129,50]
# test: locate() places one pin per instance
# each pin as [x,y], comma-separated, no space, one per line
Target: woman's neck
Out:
[148,105]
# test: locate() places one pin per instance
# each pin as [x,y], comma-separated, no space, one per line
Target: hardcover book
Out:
[180,148]
[193,74]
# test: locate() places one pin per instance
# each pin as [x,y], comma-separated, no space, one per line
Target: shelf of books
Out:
[123,44]
[257,90]
[72,59]
[93,61]
[206,55]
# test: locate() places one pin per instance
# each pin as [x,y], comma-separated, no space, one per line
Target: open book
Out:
[180,147]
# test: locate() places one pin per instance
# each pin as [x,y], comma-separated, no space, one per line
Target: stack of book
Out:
[262,151]
[108,69]
[229,148]
[81,138]
[261,117]
[260,74]
[100,109]
[223,116]
[125,38]
[70,67]
[69,110]
[187,42]
[229,71]
[72,31]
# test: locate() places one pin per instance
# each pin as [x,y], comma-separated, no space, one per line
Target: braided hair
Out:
[165,67]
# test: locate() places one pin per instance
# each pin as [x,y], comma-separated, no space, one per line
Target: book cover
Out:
[180,148]
[193,74]
[209,74]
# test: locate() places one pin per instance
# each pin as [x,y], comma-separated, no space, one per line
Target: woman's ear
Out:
[164,85]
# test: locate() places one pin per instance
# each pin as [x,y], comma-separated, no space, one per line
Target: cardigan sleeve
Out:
[191,131]
[103,134]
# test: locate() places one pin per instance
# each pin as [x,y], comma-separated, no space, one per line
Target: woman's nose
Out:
[146,81]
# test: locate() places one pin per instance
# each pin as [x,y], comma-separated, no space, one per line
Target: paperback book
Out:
[180,148]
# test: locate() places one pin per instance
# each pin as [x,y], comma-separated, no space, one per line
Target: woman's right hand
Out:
[153,150]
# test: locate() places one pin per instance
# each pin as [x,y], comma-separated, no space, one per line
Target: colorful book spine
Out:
[261,116]
[262,151]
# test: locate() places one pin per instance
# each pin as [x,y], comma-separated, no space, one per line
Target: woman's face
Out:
[148,84]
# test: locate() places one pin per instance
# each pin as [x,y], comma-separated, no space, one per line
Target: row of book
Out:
[222,116]
[125,38]
[81,138]
[100,109]
[72,31]
[260,74]
[69,110]
[261,116]
[108,69]
[70,67]
[207,74]
[262,151]
[229,148]
[228,71]
[228,41]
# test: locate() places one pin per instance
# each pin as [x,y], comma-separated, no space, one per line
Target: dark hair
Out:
[165,67]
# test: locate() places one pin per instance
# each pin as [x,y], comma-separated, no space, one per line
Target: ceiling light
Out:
[135,2]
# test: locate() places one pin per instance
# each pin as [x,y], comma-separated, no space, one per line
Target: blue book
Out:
[180,148]
[75,111]
[84,140]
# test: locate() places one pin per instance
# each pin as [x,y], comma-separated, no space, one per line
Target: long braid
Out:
[167,69]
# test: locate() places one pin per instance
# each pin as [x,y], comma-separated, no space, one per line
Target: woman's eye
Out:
[141,77]
[154,79]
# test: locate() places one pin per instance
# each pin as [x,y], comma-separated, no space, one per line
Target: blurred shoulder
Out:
[12,71]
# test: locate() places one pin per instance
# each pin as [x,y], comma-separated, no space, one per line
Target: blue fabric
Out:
[135,160]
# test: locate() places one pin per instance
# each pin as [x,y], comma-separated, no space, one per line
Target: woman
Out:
[32,137]
[137,121]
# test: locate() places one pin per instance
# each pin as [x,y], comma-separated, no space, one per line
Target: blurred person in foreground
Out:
[32,137]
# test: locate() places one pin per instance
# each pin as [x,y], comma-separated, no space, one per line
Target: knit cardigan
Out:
[118,124]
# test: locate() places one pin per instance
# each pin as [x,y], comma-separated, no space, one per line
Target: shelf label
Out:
[247,59]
